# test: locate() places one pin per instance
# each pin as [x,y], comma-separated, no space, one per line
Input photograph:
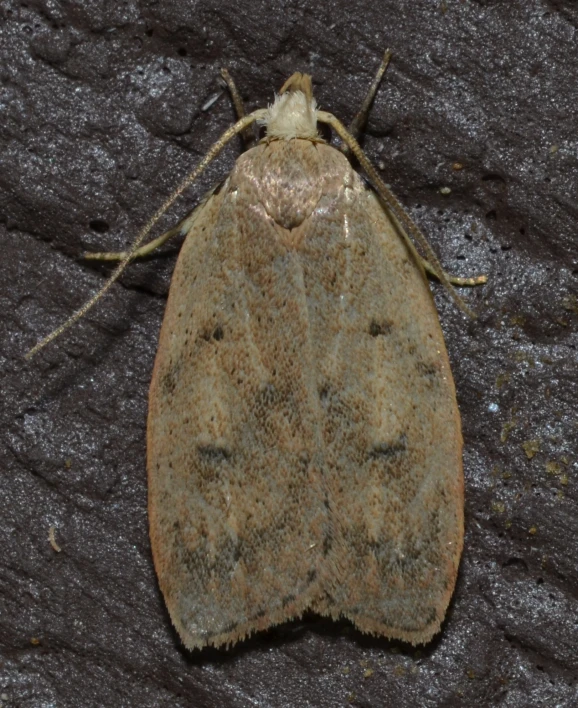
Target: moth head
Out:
[294,111]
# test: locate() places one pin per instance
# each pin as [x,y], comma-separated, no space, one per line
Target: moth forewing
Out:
[304,442]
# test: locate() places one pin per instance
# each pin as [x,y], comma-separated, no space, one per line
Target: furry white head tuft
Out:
[292,115]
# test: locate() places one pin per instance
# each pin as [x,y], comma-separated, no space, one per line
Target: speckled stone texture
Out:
[101,116]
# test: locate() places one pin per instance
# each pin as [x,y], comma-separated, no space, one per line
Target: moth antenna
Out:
[358,124]
[395,206]
[214,150]
[247,136]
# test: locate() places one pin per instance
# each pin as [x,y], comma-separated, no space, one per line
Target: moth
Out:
[304,445]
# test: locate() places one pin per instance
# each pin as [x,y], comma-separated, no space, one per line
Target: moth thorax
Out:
[294,112]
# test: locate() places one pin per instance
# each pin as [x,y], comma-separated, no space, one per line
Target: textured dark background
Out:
[101,116]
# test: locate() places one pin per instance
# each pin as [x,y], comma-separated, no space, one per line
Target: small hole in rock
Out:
[98,225]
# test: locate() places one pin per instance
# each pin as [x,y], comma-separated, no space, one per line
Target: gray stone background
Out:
[101,115]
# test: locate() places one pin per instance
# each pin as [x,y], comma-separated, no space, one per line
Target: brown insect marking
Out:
[226,629]
[216,333]
[381,328]
[214,453]
[231,626]
[169,382]
[190,559]
[374,546]
[170,378]
[287,600]
[430,371]
[388,450]
[432,614]
[329,397]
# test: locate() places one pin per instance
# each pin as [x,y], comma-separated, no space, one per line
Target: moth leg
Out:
[439,274]
[140,253]
[247,135]
[358,123]
[182,228]
[214,150]
[454,279]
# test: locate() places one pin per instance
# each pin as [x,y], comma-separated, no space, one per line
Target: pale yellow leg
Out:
[147,249]
[247,137]
[396,211]
[209,157]
[455,279]
[356,127]
[139,253]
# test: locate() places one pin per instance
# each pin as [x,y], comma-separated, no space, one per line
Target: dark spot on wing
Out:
[430,371]
[380,328]
[170,378]
[214,453]
[215,333]
[311,575]
[288,599]
[390,449]
[169,382]
[227,629]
